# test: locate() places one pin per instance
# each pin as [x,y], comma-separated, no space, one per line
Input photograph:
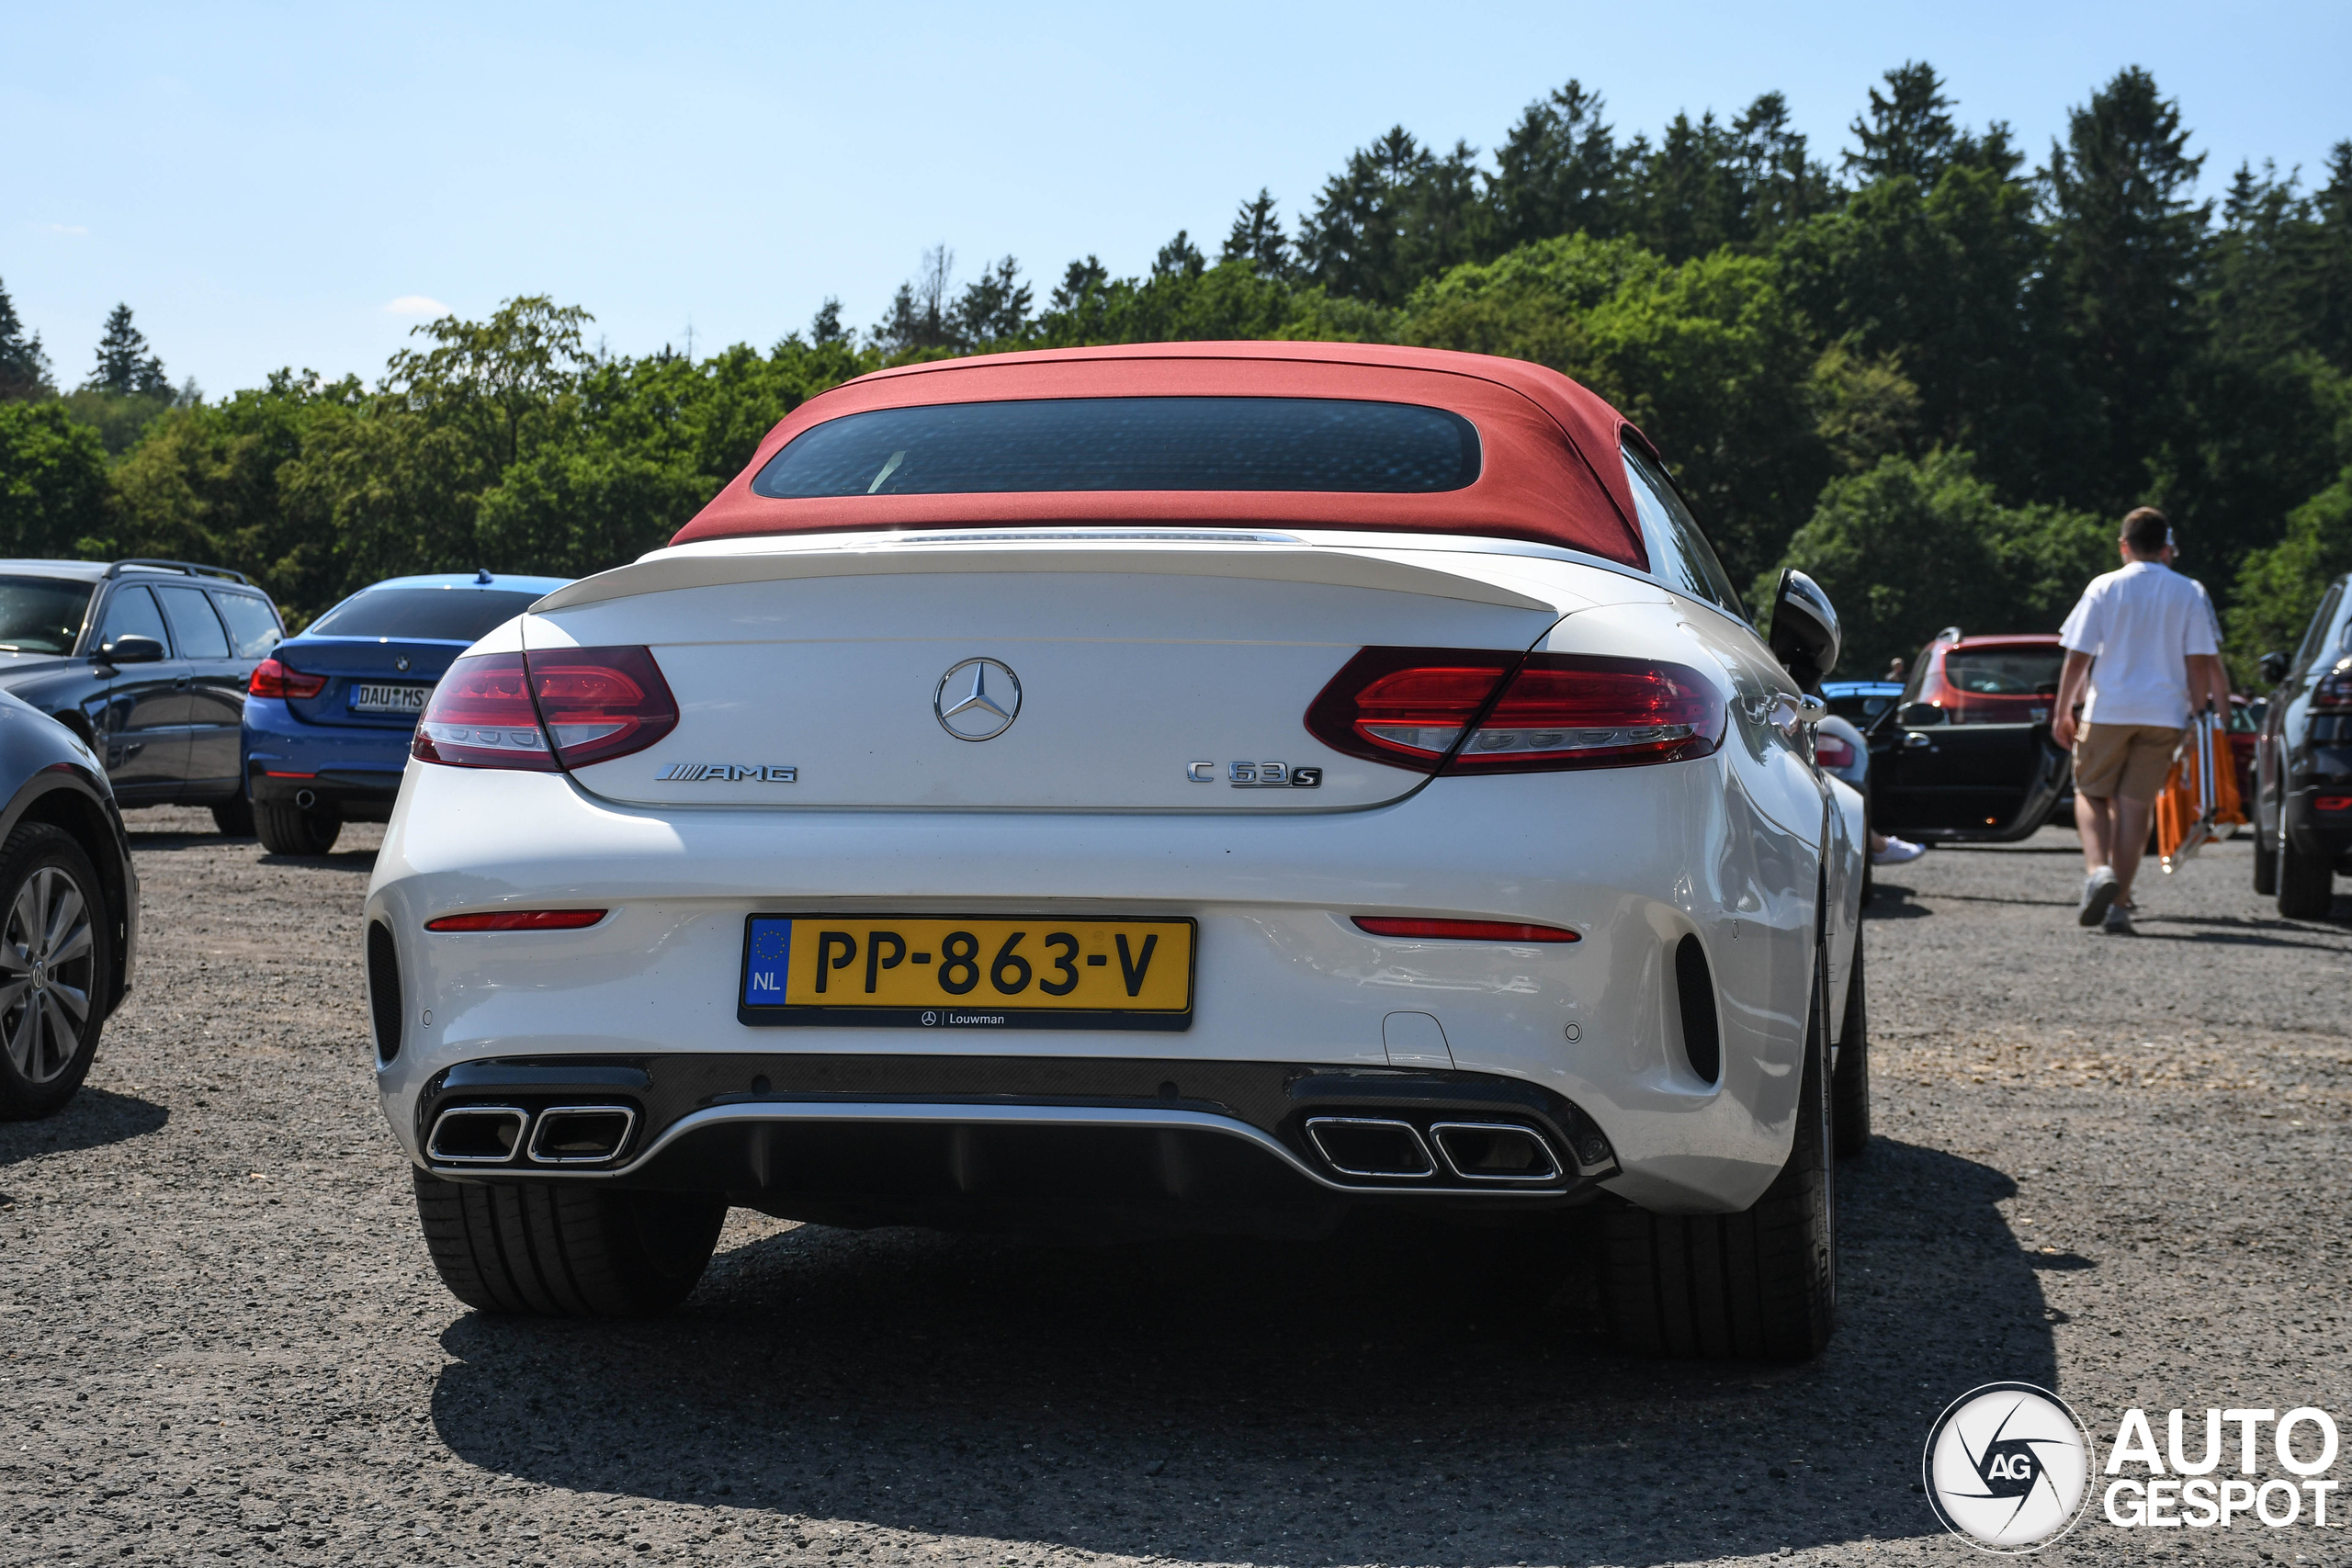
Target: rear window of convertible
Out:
[1085,443]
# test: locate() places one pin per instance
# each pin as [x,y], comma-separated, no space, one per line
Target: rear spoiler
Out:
[1278,560]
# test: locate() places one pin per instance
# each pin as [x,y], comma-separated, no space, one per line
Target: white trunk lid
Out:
[1151,672]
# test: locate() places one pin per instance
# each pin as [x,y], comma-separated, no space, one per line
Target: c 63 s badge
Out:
[728,772]
[1256,775]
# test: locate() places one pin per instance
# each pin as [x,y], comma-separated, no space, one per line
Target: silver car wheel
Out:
[45,974]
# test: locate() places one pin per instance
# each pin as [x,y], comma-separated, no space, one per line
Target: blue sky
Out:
[272,186]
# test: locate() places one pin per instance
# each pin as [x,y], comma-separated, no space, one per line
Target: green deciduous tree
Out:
[1908,547]
[53,490]
[2278,589]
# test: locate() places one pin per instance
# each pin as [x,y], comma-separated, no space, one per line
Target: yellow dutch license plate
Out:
[931,972]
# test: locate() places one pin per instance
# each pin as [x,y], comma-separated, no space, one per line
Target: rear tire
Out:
[233,817]
[286,828]
[2306,882]
[1849,1083]
[564,1251]
[2265,860]
[1757,1285]
[45,1050]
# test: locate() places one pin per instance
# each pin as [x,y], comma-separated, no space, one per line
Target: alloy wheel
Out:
[46,973]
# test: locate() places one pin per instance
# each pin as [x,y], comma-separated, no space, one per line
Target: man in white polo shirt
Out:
[2146,640]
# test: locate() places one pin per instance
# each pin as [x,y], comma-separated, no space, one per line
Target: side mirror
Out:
[1804,634]
[2274,667]
[1918,716]
[132,649]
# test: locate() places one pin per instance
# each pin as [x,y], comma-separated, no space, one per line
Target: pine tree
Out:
[1082,284]
[1349,245]
[1257,237]
[995,309]
[921,316]
[23,368]
[1905,129]
[2127,247]
[2331,281]
[1558,172]
[126,367]
[1179,258]
[825,326]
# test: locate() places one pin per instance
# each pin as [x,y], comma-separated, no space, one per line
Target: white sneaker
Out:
[1897,850]
[2099,895]
[2118,921]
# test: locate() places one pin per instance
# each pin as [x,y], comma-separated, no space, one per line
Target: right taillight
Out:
[2334,692]
[273,678]
[597,704]
[1832,752]
[1438,709]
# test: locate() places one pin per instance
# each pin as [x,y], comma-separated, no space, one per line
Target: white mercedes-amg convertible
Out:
[1210,786]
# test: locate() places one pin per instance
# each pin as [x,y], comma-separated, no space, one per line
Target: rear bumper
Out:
[355,767]
[976,1140]
[1632,860]
[2323,835]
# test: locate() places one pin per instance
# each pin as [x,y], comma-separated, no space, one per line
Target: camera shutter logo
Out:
[2008,1467]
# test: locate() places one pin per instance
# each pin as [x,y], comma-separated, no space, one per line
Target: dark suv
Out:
[2302,794]
[147,660]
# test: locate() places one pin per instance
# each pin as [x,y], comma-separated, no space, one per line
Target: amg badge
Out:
[714,772]
[1258,775]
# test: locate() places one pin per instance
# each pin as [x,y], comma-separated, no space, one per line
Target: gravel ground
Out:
[2106,1166]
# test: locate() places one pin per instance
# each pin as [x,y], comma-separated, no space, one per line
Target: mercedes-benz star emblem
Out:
[977,700]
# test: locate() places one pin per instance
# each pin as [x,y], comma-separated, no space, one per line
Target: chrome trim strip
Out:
[786,1111]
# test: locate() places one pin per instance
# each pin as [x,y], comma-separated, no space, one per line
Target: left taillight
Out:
[274,679]
[2334,691]
[542,711]
[1438,709]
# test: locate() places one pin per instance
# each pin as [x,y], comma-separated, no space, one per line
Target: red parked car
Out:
[1966,753]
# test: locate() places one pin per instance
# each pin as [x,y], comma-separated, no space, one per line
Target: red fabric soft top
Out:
[1551,470]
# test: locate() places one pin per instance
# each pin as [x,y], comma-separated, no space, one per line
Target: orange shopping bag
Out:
[2201,793]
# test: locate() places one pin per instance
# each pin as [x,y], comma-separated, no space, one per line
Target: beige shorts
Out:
[2128,760]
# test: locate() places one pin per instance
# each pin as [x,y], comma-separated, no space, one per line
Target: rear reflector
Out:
[1460,930]
[518,920]
[273,678]
[2332,803]
[597,703]
[1433,709]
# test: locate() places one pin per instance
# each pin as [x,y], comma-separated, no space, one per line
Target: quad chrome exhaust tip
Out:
[1372,1146]
[1494,1151]
[580,1134]
[476,1134]
[508,1135]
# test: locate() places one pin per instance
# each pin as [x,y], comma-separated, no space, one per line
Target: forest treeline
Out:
[1934,376]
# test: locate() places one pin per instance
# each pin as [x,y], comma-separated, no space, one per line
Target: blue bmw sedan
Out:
[330,714]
